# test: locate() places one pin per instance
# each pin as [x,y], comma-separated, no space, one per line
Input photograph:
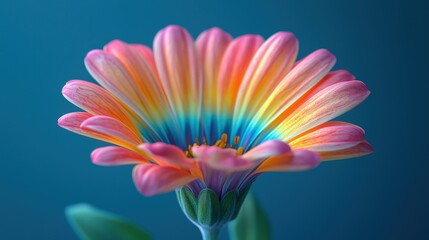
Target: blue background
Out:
[45,168]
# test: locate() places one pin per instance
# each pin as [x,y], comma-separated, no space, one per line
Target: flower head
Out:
[214,113]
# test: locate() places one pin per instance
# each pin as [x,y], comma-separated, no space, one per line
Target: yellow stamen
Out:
[236,140]
[240,151]
[190,151]
[224,138]
[221,143]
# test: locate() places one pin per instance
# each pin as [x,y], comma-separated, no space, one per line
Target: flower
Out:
[214,114]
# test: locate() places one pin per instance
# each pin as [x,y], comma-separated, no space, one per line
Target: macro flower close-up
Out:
[207,117]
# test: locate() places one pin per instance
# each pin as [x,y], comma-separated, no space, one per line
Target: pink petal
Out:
[322,107]
[145,80]
[233,67]
[113,75]
[96,101]
[224,159]
[151,179]
[147,54]
[329,136]
[297,160]
[113,130]
[297,82]
[113,156]
[72,122]
[330,79]
[266,150]
[211,46]
[178,69]
[362,149]
[167,155]
[273,60]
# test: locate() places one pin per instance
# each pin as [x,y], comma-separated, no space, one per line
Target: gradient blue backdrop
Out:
[45,168]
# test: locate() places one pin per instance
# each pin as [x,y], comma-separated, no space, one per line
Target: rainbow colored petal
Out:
[215,112]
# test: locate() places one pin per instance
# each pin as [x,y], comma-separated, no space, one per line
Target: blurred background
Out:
[45,168]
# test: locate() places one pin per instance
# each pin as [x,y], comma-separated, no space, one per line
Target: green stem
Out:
[209,233]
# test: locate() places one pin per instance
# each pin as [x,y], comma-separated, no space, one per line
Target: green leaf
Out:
[93,224]
[251,223]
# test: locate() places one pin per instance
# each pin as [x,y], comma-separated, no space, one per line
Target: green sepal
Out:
[252,223]
[229,206]
[208,213]
[90,223]
[240,200]
[188,202]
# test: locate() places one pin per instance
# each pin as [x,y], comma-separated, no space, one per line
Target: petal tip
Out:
[367,148]
[286,36]
[328,54]
[60,120]
[93,53]
[174,29]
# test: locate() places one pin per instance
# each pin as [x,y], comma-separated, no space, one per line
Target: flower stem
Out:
[209,233]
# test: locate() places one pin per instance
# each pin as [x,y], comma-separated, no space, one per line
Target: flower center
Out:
[221,143]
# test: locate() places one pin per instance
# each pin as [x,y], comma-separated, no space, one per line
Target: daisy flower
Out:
[207,117]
